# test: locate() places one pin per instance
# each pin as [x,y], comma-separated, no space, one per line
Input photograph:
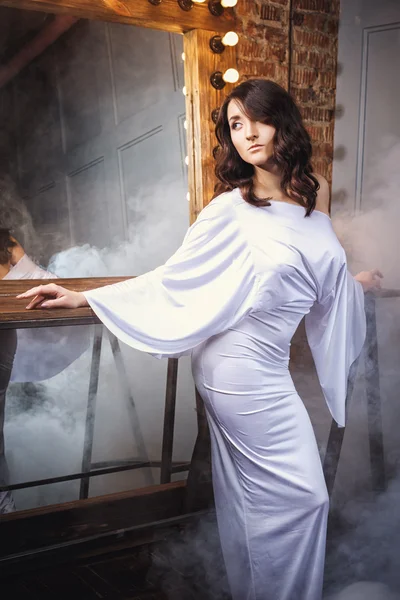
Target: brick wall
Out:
[294,42]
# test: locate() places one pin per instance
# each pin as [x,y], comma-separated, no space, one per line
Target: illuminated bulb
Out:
[219,80]
[188,197]
[228,3]
[184,90]
[198,1]
[230,39]
[231,76]
[185,124]
[183,56]
[186,160]
[218,43]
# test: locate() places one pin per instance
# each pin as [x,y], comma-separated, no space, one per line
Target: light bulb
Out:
[183,56]
[228,3]
[230,39]
[184,90]
[198,1]
[186,160]
[231,76]
[185,124]
[188,197]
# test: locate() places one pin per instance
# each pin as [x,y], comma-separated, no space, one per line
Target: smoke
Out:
[369,235]
[365,590]
[190,560]
[158,221]
[369,548]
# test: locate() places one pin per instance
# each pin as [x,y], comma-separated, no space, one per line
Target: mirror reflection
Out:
[93,182]
[93,143]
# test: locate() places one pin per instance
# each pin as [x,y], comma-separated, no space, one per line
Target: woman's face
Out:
[253,140]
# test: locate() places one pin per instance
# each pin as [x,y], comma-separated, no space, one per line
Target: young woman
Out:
[260,257]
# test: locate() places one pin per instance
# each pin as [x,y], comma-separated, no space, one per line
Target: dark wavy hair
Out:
[6,244]
[15,216]
[267,102]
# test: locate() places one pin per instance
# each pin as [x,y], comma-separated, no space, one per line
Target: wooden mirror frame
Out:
[51,533]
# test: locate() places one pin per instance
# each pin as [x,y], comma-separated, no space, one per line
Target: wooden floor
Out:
[113,577]
[117,578]
[155,571]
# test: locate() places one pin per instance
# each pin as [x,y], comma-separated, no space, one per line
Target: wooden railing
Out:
[193,496]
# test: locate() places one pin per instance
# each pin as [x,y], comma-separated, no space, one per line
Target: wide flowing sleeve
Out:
[207,286]
[336,328]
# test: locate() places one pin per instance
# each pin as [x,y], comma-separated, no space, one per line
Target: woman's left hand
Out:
[370,280]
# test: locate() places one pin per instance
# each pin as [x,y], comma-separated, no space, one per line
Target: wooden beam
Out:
[167,16]
[59,525]
[201,99]
[45,37]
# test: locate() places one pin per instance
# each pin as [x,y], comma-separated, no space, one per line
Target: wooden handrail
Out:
[13,313]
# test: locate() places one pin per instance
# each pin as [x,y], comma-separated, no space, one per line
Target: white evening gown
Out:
[233,295]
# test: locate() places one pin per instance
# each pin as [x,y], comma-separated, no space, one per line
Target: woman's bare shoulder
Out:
[323,194]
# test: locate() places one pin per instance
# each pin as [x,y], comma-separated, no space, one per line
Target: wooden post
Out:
[199,493]
[169,421]
[201,99]
[376,447]
[91,410]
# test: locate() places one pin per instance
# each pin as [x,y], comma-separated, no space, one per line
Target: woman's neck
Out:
[267,184]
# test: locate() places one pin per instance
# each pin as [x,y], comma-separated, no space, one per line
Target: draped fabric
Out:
[336,328]
[207,286]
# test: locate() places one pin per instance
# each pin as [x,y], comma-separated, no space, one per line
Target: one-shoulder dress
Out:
[233,296]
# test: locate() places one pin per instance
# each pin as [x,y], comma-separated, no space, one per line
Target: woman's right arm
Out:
[206,287]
